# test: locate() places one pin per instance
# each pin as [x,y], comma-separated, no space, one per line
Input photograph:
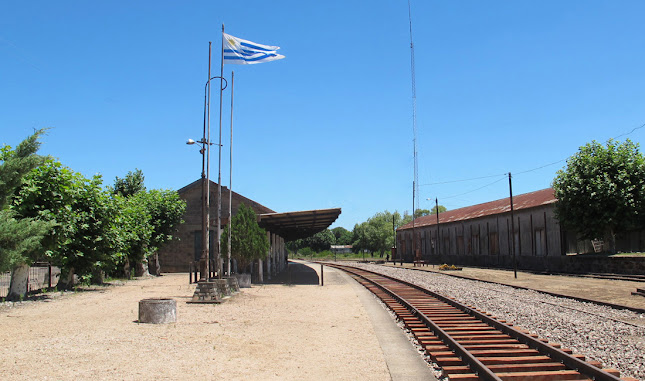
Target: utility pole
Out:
[510,188]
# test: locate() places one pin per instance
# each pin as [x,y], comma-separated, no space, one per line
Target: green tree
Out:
[377,233]
[441,209]
[320,241]
[295,245]
[380,234]
[18,163]
[166,210]
[132,232]
[249,241]
[145,221]
[421,212]
[131,184]
[82,238]
[601,191]
[342,235]
[20,238]
[405,219]
[359,240]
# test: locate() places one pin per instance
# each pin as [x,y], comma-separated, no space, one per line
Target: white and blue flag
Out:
[243,52]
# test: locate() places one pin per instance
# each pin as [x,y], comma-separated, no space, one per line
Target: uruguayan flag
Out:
[242,52]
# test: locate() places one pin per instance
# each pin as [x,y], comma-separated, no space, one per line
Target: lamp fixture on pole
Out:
[203,259]
[205,151]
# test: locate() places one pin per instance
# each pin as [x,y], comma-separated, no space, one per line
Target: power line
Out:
[473,190]
[627,133]
[521,172]
[544,166]
[463,180]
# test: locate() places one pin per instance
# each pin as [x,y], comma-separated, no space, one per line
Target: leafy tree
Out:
[17,163]
[130,185]
[82,238]
[441,209]
[380,233]
[166,209]
[360,241]
[295,245]
[20,238]
[421,212]
[342,235]
[146,220]
[132,231]
[320,241]
[405,219]
[249,241]
[376,234]
[601,191]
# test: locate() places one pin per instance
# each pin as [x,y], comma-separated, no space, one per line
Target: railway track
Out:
[469,344]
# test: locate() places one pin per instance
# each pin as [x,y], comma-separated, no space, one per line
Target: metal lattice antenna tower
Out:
[415,182]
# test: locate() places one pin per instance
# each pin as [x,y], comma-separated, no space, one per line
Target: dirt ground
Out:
[303,332]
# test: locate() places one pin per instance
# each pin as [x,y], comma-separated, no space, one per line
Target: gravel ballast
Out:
[614,337]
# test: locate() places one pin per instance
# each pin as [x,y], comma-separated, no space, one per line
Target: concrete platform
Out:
[605,291]
[403,361]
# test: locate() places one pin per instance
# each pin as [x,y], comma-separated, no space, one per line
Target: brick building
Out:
[281,227]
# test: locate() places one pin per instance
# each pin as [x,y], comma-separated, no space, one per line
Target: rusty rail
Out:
[470,344]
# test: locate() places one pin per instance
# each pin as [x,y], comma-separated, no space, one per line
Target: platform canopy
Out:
[296,225]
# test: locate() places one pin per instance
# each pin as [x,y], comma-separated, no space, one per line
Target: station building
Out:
[177,255]
[482,235]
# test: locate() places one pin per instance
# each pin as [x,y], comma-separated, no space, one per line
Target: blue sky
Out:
[501,86]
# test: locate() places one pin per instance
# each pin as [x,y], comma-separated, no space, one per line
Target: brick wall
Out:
[175,256]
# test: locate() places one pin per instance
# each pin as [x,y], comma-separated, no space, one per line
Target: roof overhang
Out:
[296,225]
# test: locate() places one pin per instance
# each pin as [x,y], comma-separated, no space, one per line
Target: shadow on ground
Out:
[296,274]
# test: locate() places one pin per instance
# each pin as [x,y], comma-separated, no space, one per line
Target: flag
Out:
[243,52]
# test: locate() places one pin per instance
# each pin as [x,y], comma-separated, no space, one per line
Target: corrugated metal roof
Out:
[301,224]
[521,201]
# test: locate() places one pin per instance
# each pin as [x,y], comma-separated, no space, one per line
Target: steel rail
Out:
[477,366]
[556,354]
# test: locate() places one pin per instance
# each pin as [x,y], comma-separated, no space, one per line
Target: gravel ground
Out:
[269,332]
[614,337]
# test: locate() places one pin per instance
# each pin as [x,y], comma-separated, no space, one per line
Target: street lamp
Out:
[203,259]
[205,151]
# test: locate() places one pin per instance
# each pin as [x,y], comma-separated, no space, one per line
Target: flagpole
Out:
[204,265]
[230,183]
[219,174]
[415,182]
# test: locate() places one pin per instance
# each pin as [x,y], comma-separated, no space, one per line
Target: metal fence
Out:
[194,273]
[41,275]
